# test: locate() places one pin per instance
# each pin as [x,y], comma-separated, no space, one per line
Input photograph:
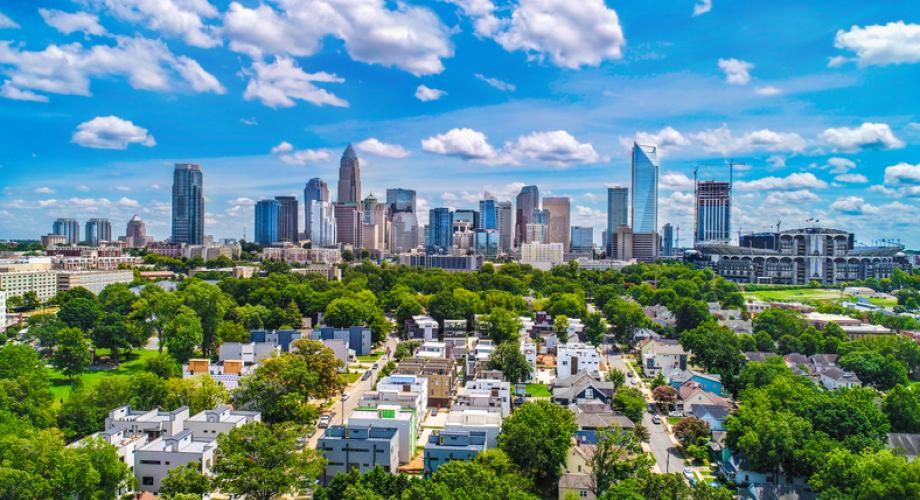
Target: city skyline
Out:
[818,133]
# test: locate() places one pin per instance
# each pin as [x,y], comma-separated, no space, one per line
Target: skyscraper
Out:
[188,204]
[69,228]
[322,224]
[644,189]
[617,213]
[98,230]
[267,217]
[287,218]
[315,190]
[400,200]
[527,201]
[136,233]
[713,212]
[403,231]
[582,239]
[349,177]
[440,238]
[467,215]
[559,228]
[505,226]
[667,239]
[348,224]
[488,214]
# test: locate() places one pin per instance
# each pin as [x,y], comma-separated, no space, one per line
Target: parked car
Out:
[375,366]
[688,473]
[676,413]
[656,419]
[367,375]
[518,401]
[345,397]
[629,374]
[323,421]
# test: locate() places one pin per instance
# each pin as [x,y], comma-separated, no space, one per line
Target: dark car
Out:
[366,375]
[518,401]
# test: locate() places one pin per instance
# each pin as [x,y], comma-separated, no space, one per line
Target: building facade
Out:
[617,213]
[400,200]
[348,224]
[488,214]
[288,225]
[504,220]
[349,177]
[266,222]
[560,226]
[542,255]
[582,239]
[667,240]
[360,447]
[322,225]
[644,189]
[527,201]
[136,233]
[713,212]
[440,238]
[69,228]
[188,204]
[98,231]
[315,190]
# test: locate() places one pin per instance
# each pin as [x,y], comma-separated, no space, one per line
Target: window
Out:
[150,462]
[583,493]
[147,480]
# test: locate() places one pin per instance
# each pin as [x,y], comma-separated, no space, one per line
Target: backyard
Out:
[538,391]
[60,384]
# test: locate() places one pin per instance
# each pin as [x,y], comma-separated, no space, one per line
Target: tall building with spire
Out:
[349,177]
[644,189]
[188,204]
[528,200]
[315,190]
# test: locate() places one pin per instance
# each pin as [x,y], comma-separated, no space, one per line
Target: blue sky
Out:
[818,99]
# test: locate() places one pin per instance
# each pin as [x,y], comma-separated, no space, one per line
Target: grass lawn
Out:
[60,384]
[674,420]
[370,358]
[351,377]
[877,301]
[538,391]
[798,295]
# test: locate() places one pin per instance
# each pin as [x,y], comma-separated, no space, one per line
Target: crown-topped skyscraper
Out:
[349,177]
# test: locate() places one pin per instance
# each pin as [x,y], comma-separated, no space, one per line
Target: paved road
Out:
[663,447]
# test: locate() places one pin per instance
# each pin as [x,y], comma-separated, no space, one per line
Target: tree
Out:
[537,437]
[113,334]
[229,331]
[72,354]
[690,314]
[629,402]
[406,349]
[665,396]
[595,328]
[117,299]
[25,391]
[154,310]
[872,367]
[211,304]
[561,328]
[502,326]
[778,323]
[183,333]
[444,305]
[626,317]
[185,480]
[881,474]
[691,431]
[902,406]
[617,377]
[511,361]
[199,393]
[567,304]
[617,456]
[80,313]
[164,366]
[260,462]
[344,313]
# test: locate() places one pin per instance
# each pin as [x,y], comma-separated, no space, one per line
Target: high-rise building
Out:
[667,239]
[403,232]
[582,239]
[440,238]
[400,200]
[535,233]
[485,242]
[713,212]
[348,224]
[68,228]
[136,233]
[266,223]
[527,201]
[644,189]
[505,223]
[488,214]
[645,246]
[617,213]
[540,217]
[97,231]
[322,224]
[315,190]
[374,224]
[560,227]
[467,215]
[188,204]
[349,177]
[287,218]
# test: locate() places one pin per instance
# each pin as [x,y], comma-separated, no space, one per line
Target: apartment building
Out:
[441,374]
[360,447]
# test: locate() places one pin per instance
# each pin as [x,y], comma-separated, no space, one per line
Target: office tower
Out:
[98,231]
[621,243]
[288,219]
[349,177]
[644,189]
[540,217]
[617,213]
[348,224]
[400,200]
[315,190]
[188,204]
[505,224]
[485,242]
[535,233]
[403,232]
[667,240]
[467,215]
[488,214]
[268,215]
[645,246]
[559,229]
[582,239]
[527,201]
[440,237]
[463,235]
[69,228]
[374,224]
[713,212]
[136,233]
[322,224]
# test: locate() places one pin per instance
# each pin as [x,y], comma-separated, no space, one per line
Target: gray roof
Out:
[910,443]
[716,411]
[575,481]
[759,355]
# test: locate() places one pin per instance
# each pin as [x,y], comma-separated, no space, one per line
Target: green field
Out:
[60,385]
[538,391]
[370,358]
[798,295]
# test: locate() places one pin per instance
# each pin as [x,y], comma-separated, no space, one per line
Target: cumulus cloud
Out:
[68,69]
[111,132]
[853,205]
[701,7]
[9,91]
[767,90]
[282,147]
[840,165]
[465,143]
[279,83]
[375,147]
[289,155]
[721,140]
[867,135]
[737,72]
[124,201]
[43,190]
[675,181]
[183,19]
[880,45]
[796,180]
[7,23]
[496,83]
[69,22]
[902,173]
[243,201]
[410,38]
[852,178]
[557,148]
[424,93]
[780,198]
[665,140]
[777,161]
[878,188]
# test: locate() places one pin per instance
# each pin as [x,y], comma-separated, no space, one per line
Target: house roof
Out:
[910,443]
[575,481]
[758,355]
[580,379]
[690,390]
[716,411]
[602,421]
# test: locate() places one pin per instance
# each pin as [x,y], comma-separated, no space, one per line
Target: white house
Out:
[391,416]
[575,357]
[402,384]
[476,420]
[662,355]
[485,394]
[207,424]
[250,352]
[529,350]
[153,460]
[153,423]
[432,349]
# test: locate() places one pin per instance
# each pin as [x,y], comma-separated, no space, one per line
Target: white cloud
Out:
[777,161]
[111,132]
[43,190]
[557,148]
[465,143]
[675,181]
[289,155]
[721,140]
[767,90]
[423,93]
[375,147]
[589,196]
[878,188]
[122,188]
[780,198]
[47,203]
[840,165]
[155,186]
[249,121]
[7,23]
[128,202]
[701,7]
[282,147]
[279,83]
[571,34]
[496,83]
[175,18]
[8,91]
[796,180]
[243,201]
[867,135]
[68,69]
[902,173]
[852,178]
[69,22]
[82,187]
[665,140]
[737,72]
[410,38]
[878,45]
[837,61]
[853,205]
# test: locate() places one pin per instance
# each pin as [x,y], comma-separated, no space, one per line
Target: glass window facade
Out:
[644,189]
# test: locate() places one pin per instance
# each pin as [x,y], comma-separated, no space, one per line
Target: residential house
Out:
[691,393]
[208,424]
[714,415]
[251,353]
[822,369]
[487,422]
[908,444]
[411,385]
[580,388]
[441,375]
[152,423]
[280,338]
[592,416]
[663,355]
[708,381]
[406,422]
[454,327]
[432,349]
[227,373]
[660,315]
[357,338]
[449,445]
[155,459]
[576,477]
[422,327]
[574,357]
[360,447]
[485,394]
[529,350]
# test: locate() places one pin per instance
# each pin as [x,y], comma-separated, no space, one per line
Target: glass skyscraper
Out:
[527,201]
[68,228]
[488,215]
[713,212]
[98,230]
[315,190]
[188,204]
[467,215]
[644,189]
[617,213]
[287,218]
[349,178]
[667,240]
[504,222]
[400,200]
[267,216]
[582,239]
[440,237]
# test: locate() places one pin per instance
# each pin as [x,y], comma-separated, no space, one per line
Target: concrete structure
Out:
[441,375]
[422,327]
[645,246]
[154,460]
[485,394]
[527,201]
[504,221]
[206,425]
[449,263]
[188,205]
[357,338]
[277,338]
[644,189]
[249,352]
[573,358]
[487,422]
[152,423]
[432,349]
[543,256]
[94,281]
[446,446]
[713,212]
[359,447]
[347,224]
[136,233]
[19,283]
[226,373]
[560,226]
[393,388]
[404,420]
